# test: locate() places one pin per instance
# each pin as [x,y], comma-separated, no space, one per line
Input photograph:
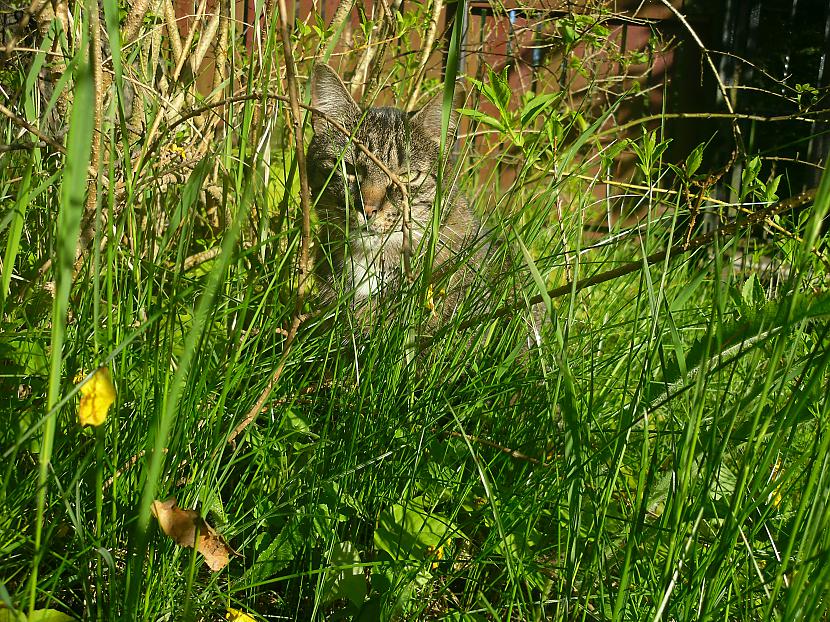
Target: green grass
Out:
[661,453]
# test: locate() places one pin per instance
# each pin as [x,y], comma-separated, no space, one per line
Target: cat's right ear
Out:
[430,116]
[330,97]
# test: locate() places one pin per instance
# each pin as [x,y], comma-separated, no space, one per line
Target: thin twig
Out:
[43,137]
[185,53]
[387,29]
[732,116]
[20,122]
[505,450]
[331,121]
[21,146]
[361,71]
[180,61]
[736,130]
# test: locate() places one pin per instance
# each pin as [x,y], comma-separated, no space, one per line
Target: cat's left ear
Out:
[331,97]
[429,117]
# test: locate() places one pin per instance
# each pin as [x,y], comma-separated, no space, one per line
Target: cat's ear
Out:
[429,117]
[330,96]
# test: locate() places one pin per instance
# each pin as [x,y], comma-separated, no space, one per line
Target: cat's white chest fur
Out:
[372,262]
[364,275]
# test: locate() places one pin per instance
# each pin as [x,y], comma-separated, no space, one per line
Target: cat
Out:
[361,210]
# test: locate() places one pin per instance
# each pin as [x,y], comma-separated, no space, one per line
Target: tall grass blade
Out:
[72,192]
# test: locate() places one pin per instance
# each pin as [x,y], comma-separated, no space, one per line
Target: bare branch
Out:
[736,130]
[426,51]
[134,20]
[43,137]
[88,228]
[172,27]
[333,122]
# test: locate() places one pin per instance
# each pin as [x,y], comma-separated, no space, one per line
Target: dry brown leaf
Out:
[184,525]
[214,549]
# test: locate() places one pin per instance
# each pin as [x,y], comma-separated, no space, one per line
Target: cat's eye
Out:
[412,178]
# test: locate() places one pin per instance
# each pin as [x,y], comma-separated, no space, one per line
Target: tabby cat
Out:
[359,207]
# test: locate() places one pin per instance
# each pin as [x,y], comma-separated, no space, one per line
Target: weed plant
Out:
[656,448]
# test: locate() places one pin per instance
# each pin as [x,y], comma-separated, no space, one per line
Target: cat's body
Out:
[361,209]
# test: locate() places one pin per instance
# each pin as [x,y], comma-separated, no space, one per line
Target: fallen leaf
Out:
[214,549]
[235,615]
[97,395]
[184,526]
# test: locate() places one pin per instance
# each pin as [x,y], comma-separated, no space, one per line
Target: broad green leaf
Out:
[501,89]
[771,188]
[410,531]
[48,615]
[277,552]
[486,119]
[694,159]
[536,106]
[346,579]
[30,356]
[38,615]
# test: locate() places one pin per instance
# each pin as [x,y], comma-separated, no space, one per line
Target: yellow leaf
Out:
[97,395]
[235,615]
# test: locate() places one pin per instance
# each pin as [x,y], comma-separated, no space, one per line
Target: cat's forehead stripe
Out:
[383,132]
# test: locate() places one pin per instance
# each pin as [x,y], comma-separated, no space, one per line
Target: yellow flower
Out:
[436,554]
[775,497]
[235,615]
[179,151]
[97,395]
[430,302]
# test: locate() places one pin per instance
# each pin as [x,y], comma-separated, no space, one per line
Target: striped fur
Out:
[359,208]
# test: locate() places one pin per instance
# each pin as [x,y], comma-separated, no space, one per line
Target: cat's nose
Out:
[371,199]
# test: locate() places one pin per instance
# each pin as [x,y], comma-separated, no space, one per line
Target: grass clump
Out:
[658,451]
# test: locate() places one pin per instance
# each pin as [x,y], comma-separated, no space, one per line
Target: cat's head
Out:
[351,188]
